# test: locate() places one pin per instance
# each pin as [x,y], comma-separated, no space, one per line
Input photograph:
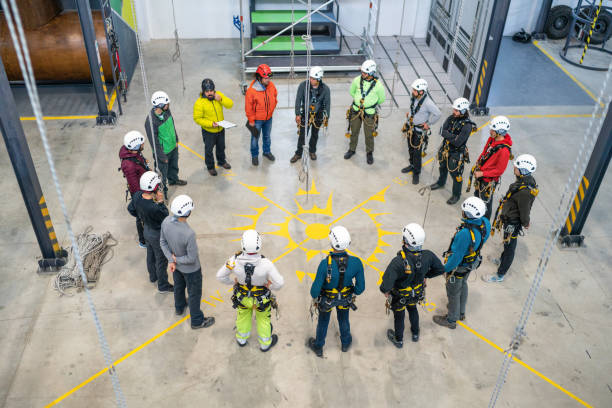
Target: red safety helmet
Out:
[264,71]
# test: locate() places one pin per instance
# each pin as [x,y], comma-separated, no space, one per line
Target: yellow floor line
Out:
[562,68]
[73,117]
[112,100]
[179,322]
[527,366]
[189,149]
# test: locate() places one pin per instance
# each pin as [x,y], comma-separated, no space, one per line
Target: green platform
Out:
[275,16]
[279,44]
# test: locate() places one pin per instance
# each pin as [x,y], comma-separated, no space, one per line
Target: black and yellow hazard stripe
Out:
[588,39]
[45,213]
[483,73]
[575,208]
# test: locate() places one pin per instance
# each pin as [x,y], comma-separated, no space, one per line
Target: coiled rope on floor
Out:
[95,250]
[18,37]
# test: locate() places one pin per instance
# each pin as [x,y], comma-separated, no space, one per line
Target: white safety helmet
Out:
[316,73]
[251,241]
[500,125]
[462,105]
[182,205]
[526,164]
[159,99]
[474,207]
[414,235]
[369,67]
[133,140]
[149,181]
[339,238]
[419,85]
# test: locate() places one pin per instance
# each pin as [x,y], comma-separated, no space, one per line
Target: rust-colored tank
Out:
[57,50]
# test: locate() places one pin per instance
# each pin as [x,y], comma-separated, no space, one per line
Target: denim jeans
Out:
[264,128]
[193,282]
[343,323]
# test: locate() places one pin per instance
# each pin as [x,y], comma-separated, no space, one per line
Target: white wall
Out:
[524,14]
[213,18]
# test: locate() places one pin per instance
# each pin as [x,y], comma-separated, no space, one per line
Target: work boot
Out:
[255,161]
[207,322]
[178,182]
[168,289]
[435,186]
[212,172]
[407,169]
[349,154]
[142,245]
[415,178]
[462,316]
[392,339]
[452,200]
[415,337]
[295,158]
[313,156]
[311,345]
[346,347]
[226,166]
[274,341]
[241,344]
[179,312]
[443,321]
[370,158]
[269,156]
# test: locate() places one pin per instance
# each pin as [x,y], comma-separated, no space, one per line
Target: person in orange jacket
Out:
[260,101]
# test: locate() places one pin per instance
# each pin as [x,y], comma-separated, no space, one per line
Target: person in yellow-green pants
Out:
[255,276]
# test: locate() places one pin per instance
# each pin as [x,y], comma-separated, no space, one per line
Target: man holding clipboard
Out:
[208,113]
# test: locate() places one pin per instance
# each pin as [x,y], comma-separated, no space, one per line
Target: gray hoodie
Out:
[428,112]
[178,239]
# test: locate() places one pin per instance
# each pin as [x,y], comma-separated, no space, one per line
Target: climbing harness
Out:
[369,120]
[486,189]
[497,219]
[341,296]
[262,296]
[472,260]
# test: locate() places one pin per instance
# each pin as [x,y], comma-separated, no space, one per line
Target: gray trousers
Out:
[457,292]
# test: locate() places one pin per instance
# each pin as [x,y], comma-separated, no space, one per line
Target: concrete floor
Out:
[49,345]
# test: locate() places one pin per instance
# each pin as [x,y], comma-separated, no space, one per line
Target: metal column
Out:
[589,185]
[539,33]
[105,116]
[21,159]
[489,58]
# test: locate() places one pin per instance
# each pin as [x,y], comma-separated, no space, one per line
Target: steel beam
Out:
[53,256]
[571,233]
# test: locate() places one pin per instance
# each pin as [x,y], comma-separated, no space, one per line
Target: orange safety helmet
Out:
[264,71]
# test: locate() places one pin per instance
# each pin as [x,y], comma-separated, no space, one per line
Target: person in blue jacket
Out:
[462,257]
[339,278]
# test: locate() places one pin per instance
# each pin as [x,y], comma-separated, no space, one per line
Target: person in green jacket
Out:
[208,112]
[367,93]
[164,140]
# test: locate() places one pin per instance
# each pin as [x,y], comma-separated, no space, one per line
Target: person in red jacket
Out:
[260,101]
[134,165]
[492,162]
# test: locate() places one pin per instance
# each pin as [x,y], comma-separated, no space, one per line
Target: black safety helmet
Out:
[208,85]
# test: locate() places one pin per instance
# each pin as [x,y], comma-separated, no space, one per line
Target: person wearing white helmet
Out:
[422,115]
[133,166]
[338,281]
[319,106]
[492,162]
[178,241]
[403,282]
[164,140]
[367,93]
[148,205]
[513,212]
[453,152]
[255,277]
[462,257]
